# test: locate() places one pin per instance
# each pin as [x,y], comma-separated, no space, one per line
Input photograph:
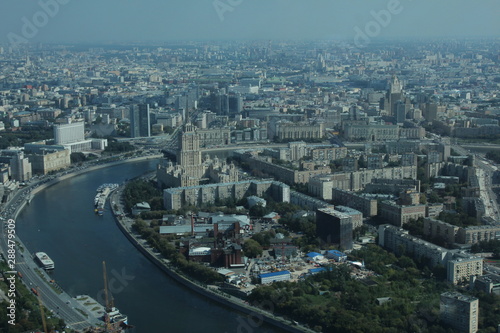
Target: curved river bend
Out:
[61,222]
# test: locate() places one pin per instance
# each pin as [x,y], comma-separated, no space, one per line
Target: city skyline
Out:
[66,21]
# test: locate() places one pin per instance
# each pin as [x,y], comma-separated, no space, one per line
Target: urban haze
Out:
[249,166]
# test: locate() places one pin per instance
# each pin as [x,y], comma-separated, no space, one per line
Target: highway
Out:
[59,303]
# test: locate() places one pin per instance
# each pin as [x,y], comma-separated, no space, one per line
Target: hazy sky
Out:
[163,20]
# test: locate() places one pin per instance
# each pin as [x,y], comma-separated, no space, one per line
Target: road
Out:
[484,173]
[59,303]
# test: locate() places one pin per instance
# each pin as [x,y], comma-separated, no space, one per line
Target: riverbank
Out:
[58,301]
[252,317]
[90,169]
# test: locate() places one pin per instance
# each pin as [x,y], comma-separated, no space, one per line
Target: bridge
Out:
[170,150]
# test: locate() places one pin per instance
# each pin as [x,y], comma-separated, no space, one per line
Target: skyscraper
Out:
[140,123]
[394,94]
[189,149]
[400,109]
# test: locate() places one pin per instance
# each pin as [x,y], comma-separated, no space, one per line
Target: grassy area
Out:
[39,273]
[82,312]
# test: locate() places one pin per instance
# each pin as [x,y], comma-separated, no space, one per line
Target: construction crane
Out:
[40,303]
[110,327]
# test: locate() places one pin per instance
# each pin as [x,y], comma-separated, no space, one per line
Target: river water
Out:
[61,222]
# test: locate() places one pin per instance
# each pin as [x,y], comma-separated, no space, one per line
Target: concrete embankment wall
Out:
[89,169]
[255,314]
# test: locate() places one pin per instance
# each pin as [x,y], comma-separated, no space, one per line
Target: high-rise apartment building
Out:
[460,311]
[20,167]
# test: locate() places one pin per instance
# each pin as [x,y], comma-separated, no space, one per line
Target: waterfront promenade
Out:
[59,303]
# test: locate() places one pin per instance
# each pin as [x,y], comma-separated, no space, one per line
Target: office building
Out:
[370,132]
[334,227]
[489,283]
[140,123]
[69,133]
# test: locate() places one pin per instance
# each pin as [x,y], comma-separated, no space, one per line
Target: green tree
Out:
[258,211]
[252,248]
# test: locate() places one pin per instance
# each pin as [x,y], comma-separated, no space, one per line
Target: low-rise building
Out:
[336,255]
[275,277]
[489,283]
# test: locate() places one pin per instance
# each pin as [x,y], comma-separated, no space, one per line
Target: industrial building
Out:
[275,277]
[336,255]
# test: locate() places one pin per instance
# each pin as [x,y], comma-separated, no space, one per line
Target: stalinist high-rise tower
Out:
[191,169]
[189,153]
[394,95]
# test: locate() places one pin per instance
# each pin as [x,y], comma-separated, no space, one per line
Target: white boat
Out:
[116,317]
[44,260]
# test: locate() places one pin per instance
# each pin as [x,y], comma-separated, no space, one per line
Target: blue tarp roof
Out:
[337,253]
[313,254]
[273,274]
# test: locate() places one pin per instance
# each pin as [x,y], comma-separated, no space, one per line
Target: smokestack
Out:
[192,225]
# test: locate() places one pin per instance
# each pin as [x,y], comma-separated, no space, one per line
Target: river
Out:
[61,222]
